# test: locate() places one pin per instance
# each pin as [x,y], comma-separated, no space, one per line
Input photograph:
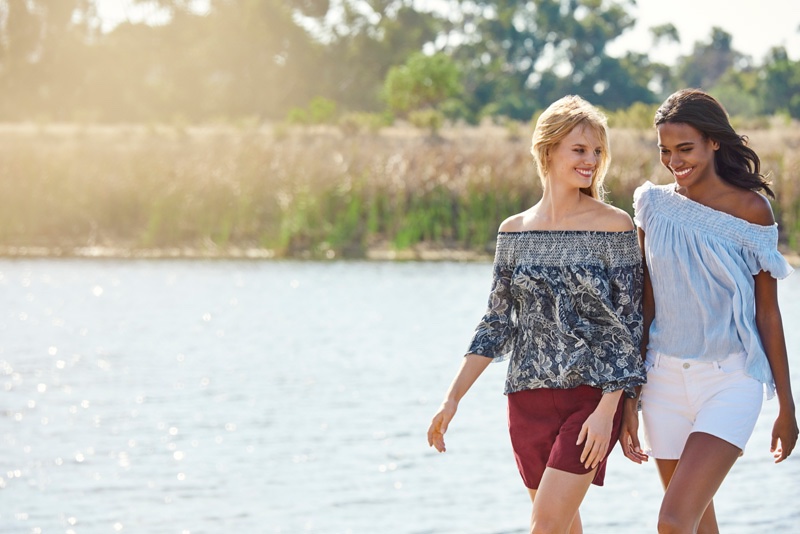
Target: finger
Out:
[598,450]
[589,450]
[601,453]
[432,431]
[773,445]
[635,445]
[582,435]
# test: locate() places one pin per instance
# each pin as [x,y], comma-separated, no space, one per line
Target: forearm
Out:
[773,340]
[608,403]
[471,368]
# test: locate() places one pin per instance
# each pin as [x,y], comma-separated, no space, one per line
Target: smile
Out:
[681,174]
[585,172]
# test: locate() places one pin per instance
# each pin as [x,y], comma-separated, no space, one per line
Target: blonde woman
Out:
[565,308]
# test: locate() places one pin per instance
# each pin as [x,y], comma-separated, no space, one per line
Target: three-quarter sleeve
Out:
[626,298]
[493,337]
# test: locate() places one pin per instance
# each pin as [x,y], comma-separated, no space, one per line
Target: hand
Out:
[629,432]
[784,430]
[439,425]
[596,432]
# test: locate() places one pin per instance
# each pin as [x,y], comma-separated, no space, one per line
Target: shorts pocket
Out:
[732,366]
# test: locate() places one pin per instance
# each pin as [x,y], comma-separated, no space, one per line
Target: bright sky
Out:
[756,26]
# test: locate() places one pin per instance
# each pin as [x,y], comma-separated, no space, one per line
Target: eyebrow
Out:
[584,145]
[680,145]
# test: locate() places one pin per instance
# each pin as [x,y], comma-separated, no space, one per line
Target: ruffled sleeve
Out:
[641,204]
[493,336]
[766,257]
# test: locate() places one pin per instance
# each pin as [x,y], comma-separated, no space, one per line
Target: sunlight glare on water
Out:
[235,396]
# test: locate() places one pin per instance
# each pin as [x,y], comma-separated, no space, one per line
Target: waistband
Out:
[659,359]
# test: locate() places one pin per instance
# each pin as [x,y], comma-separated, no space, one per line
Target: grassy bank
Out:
[226,191]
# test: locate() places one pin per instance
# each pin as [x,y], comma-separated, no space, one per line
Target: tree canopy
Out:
[261,58]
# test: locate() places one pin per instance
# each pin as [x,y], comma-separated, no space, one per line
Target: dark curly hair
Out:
[735,162]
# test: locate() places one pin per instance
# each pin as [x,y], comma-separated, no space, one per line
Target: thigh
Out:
[556,502]
[696,477]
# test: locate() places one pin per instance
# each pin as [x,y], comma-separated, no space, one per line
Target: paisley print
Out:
[565,307]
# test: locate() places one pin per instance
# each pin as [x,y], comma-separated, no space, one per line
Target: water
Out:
[196,397]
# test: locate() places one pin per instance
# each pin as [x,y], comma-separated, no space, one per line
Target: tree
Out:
[523,55]
[780,88]
[423,82]
[709,61]
[41,54]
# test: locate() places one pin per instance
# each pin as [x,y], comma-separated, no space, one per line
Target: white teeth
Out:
[584,173]
[683,173]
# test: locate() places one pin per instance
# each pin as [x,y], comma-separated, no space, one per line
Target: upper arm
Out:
[766,295]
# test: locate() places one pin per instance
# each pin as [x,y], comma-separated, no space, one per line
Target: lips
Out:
[585,172]
[682,173]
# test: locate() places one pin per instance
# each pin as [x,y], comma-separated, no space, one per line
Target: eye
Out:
[598,152]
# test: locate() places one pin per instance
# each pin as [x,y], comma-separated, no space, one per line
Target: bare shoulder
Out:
[515,223]
[608,218]
[755,208]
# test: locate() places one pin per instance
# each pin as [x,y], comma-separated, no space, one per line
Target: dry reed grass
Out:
[301,192]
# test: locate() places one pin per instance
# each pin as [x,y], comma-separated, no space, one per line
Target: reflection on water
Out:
[189,397]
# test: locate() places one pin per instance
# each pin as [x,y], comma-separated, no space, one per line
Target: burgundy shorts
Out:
[544,425]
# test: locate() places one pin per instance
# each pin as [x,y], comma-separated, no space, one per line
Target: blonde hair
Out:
[556,122]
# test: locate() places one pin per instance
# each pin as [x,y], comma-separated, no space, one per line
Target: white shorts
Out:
[684,396]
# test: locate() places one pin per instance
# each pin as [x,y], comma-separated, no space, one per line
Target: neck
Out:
[702,188]
[559,204]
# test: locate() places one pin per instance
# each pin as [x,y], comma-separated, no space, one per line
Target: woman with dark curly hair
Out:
[713,336]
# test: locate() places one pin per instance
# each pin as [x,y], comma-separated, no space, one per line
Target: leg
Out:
[556,502]
[708,523]
[693,481]
[575,528]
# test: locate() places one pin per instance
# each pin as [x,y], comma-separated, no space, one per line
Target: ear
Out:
[715,145]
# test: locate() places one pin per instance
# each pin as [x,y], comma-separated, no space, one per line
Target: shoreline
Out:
[418,253]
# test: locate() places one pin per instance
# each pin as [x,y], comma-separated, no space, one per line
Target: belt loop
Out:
[657,361]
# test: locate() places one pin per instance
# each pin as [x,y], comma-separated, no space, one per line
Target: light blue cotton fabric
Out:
[701,263]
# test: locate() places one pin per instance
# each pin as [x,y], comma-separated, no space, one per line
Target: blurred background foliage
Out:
[333,128]
[268,60]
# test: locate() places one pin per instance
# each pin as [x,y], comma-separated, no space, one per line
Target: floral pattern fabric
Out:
[565,307]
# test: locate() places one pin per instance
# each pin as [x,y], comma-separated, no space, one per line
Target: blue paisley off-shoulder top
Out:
[565,308]
[701,264]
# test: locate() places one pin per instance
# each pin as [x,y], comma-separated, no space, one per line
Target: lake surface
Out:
[187,397]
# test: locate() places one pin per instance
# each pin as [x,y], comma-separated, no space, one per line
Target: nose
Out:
[675,160]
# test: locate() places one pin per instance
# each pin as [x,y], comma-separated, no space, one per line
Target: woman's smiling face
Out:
[686,153]
[574,160]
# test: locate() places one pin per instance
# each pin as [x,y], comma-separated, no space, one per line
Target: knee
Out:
[545,526]
[672,524]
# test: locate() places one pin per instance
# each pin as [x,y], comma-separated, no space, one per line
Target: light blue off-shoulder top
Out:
[701,264]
